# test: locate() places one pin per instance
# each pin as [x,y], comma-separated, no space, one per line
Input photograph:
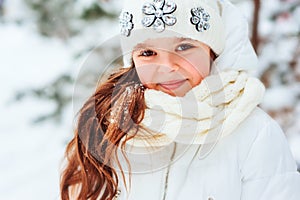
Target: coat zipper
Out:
[167,174]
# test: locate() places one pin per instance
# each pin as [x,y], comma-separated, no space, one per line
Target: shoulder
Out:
[256,126]
[267,167]
[259,119]
[264,147]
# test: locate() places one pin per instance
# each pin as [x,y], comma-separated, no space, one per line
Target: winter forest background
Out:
[44,46]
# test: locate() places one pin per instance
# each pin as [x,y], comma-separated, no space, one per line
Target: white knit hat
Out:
[196,19]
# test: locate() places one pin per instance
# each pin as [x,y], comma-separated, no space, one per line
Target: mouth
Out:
[172,85]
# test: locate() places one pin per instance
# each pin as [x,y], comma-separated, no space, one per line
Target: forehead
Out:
[164,42]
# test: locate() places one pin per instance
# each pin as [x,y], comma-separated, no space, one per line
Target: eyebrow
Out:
[183,39]
[143,45]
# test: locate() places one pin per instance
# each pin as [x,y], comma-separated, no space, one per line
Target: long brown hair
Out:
[103,122]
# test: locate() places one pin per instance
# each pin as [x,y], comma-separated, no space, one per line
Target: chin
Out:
[179,92]
[175,93]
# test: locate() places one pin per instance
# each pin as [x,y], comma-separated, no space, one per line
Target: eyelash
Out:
[185,45]
[146,51]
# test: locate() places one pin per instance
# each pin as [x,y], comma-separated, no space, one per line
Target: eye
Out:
[185,46]
[147,53]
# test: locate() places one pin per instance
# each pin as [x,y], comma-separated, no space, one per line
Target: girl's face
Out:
[172,65]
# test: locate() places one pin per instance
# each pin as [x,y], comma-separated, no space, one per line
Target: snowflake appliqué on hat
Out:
[125,21]
[200,19]
[158,14]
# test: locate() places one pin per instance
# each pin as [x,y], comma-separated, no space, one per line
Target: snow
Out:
[15,10]
[285,97]
[30,155]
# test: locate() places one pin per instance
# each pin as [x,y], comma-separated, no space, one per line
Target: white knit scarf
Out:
[208,112]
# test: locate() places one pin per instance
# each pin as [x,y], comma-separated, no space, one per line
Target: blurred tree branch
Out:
[1,7]
[255,35]
[55,92]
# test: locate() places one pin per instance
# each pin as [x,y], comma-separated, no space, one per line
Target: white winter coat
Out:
[253,163]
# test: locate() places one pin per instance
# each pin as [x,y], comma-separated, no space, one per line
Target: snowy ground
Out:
[30,155]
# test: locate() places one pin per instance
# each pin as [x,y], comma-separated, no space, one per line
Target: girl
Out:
[180,120]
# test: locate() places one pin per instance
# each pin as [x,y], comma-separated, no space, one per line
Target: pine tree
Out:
[64,20]
[279,53]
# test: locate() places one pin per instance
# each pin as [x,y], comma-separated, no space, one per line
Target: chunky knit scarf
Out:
[208,112]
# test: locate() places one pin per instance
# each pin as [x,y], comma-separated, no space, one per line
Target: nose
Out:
[168,62]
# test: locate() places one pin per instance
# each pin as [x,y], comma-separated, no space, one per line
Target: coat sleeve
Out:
[269,171]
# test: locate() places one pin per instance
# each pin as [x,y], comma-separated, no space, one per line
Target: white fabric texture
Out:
[215,107]
[238,52]
[254,162]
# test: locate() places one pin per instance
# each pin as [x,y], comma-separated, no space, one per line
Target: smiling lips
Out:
[172,85]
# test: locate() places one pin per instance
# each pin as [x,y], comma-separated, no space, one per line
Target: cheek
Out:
[145,72]
[200,64]
[203,68]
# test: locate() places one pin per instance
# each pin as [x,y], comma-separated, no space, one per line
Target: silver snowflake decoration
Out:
[158,14]
[200,19]
[126,24]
